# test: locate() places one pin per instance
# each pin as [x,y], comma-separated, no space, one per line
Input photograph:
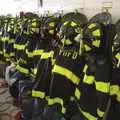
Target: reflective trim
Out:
[77,93]
[19,47]
[96,32]
[30,54]
[89,116]
[59,101]
[65,23]
[66,41]
[87,48]
[11,41]
[6,55]
[72,98]
[32,70]
[53,61]
[91,26]
[103,87]
[67,73]
[37,52]
[32,75]
[117,56]
[118,96]
[51,24]
[39,94]
[100,113]
[33,30]
[73,24]
[85,68]
[1,52]
[22,70]
[34,24]
[112,49]
[47,55]
[88,79]
[12,54]
[5,39]
[35,71]
[114,89]
[96,43]
[51,31]
[7,59]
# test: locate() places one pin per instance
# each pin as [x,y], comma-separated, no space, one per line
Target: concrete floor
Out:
[7,109]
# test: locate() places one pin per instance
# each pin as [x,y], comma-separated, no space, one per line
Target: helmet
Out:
[104,18]
[71,29]
[11,24]
[50,27]
[34,25]
[92,37]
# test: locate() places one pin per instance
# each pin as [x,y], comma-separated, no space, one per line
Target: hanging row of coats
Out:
[73,63]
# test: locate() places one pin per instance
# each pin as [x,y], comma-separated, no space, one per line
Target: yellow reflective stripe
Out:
[85,68]
[34,24]
[7,59]
[1,52]
[118,96]
[39,94]
[53,61]
[96,43]
[51,31]
[117,56]
[26,32]
[88,115]
[67,73]
[73,24]
[12,54]
[96,32]
[87,48]
[11,41]
[57,100]
[91,26]
[72,98]
[114,89]
[4,50]
[32,75]
[100,113]
[35,71]
[77,93]
[66,41]
[19,47]
[22,70]
[37,52]
[6,55]
[33,29]
[65,23]
[51,24]
[47,55]
[32,70]
[30,54]
[103,86]
[5,39]
[112,49]
[88,79]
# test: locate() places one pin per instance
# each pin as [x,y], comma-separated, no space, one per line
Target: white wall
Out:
[88,7]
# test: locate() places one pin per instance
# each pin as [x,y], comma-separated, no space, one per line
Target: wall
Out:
[88,7]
